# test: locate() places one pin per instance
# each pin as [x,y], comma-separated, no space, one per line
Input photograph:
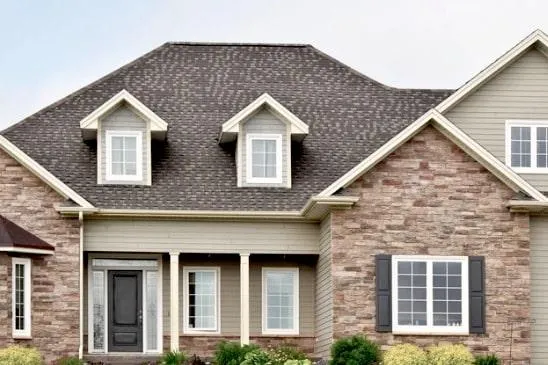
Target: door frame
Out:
[159,300]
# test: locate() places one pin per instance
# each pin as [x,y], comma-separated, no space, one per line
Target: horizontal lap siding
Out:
[518,92]
[324,292]
[539,289]
[207,237]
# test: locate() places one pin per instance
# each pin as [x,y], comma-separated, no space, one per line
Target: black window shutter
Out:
[476,279]
[383,271]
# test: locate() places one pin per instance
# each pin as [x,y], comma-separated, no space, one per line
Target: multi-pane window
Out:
[201,299]
[430,294]
[264,158]
[21,294]
[527,146]
[280,301]
[123,155]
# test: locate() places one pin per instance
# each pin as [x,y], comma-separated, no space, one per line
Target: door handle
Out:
[140,316]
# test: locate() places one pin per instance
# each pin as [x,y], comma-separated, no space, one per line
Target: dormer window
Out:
[264,158]
[527,146]
[124,153]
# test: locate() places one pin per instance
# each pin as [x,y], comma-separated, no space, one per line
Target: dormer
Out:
[123,128]
[263,132]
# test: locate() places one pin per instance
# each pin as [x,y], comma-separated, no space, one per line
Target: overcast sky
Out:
[51,48]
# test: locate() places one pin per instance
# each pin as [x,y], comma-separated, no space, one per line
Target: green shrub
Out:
[487,360]
[18,355]
[231,353]
[281,354]
[450,355]
[298,362]
[405,354]
[69,360]
[356,350]
[256,357]
[173,358]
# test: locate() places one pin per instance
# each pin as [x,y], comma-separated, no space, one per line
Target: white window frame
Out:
[296,305]
[139,158]
[430,329]
[249,158]
[533,124]
[25,333]
[217,328]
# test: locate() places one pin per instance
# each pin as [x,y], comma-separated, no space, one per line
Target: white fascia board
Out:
[157,124]
[492,69]
[494,165]
[42,173]
[297,125]
[31,251]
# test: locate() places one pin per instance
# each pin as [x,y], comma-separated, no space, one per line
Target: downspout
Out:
[81,250]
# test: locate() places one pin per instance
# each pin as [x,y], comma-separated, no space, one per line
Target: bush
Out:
[405,354]
[450,355]
[69,360]
[173,358]
[18,355]
[356,350]
[195,360]
[256,357]
[487,360]
[298,362]
[280,355]
[231,353]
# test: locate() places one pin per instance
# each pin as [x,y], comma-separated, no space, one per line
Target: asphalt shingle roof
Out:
[197,87]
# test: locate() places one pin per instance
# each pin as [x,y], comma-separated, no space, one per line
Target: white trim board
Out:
[42,173]
[30,251]
[491,70]
[494,165]
[231,127]
[157,124]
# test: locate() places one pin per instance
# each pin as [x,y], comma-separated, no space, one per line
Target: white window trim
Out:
[533,124]
[249,158]
[217,328]
[139,158]
[430,329]
[26,333]
[296,305]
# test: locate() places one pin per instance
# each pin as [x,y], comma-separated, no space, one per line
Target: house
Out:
[270,194]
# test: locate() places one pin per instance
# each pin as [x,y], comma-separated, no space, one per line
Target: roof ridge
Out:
[85,88]
[237,44]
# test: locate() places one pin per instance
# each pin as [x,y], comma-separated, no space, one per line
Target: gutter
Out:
[532,206]
[81,285]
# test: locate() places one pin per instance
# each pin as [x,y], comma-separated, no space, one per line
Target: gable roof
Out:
[91,121]
[195,88]
[14,238]
[230,128]
[536,37]
[491,163]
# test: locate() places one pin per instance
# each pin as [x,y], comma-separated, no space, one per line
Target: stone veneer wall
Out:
[27,201]
[430,198]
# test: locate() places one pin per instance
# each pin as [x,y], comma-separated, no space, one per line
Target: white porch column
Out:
[174,299]
[244,299]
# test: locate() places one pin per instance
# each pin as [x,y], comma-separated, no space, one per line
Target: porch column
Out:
[244,299]
[174,299]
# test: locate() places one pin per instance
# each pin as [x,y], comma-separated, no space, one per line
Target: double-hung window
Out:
[124,155]
[281,301]
[430,295]
[201,299]
[527,146]
[264,158]
[21,295]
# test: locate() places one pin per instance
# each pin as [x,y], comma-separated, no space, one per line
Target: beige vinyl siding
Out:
[539,290]
[265,122]
[124,119]
[518,92]
[119,235]
[324,292]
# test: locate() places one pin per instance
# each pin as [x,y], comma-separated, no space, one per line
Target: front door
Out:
[125,314]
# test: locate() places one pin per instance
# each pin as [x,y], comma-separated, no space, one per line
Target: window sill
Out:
[22,337]
[280,334]
[201,333]
[431,332]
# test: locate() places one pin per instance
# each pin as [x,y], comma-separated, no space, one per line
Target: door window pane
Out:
[152,309]
[98,284]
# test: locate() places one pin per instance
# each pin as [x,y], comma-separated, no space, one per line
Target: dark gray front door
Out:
[125,324]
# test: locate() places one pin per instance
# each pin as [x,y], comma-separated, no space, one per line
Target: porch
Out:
[145,303]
